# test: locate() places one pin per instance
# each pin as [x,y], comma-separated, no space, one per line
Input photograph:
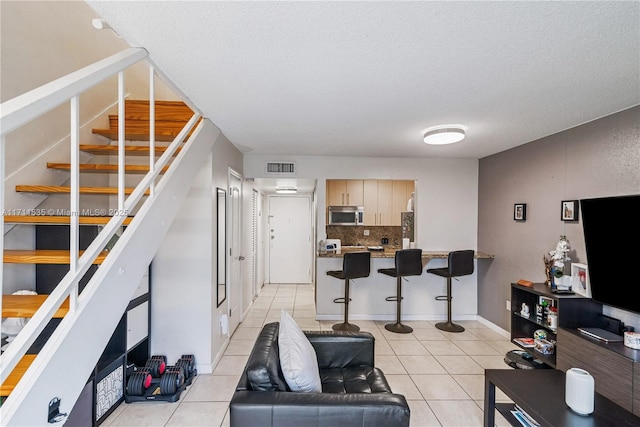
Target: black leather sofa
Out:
[354,392]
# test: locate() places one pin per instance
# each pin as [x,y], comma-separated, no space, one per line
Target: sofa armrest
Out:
[342,349]
[288,409]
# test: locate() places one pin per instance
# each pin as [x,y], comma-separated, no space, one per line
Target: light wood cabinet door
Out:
[385,203]
[370,202]
[345,192]
[336,192]
[355,192]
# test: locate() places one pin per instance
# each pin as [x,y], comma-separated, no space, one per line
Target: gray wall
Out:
[600,158]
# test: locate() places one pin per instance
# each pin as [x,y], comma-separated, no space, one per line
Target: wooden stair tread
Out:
[139,136]
[130,150]
[59,219]
[43,256]
[17,373]
[66,190]
[27,305]
[103,168]
[165,110]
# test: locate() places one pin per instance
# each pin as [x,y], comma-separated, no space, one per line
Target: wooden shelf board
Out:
[46,256]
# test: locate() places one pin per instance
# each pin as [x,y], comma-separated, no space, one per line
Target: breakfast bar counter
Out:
[368,294]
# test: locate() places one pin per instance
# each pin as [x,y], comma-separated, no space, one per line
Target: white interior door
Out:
[235,250]
[290,243]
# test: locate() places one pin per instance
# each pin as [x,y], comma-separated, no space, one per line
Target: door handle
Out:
[241,258]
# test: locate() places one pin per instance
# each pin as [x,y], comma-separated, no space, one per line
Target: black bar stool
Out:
[460,264]
[354,266]
[408,263]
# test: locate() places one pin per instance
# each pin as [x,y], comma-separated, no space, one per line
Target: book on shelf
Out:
[524,418]
[525,342]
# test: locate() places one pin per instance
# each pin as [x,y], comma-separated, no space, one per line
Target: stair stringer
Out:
[62,367]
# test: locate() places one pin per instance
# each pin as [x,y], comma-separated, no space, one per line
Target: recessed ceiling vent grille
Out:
[280,168]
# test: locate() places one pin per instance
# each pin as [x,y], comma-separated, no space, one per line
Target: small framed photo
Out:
[520,212]
[549,301]
[569,210]
[580,279]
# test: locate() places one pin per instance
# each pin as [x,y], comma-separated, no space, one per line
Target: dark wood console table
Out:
[540,393]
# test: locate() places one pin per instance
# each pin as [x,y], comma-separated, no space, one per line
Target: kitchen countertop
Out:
[390,252]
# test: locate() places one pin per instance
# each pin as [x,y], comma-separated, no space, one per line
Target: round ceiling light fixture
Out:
[445,134]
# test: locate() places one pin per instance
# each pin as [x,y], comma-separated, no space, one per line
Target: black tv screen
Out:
[611,227]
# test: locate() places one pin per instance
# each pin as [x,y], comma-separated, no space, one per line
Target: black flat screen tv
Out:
[611,227]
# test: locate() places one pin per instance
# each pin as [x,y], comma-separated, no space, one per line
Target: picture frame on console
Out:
[520,212]
[580,279]
[569,210]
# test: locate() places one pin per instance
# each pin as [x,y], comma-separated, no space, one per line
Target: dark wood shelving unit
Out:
[573,311]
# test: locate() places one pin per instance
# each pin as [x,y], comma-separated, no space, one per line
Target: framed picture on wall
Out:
[520,212]
[569,210]
[580,279]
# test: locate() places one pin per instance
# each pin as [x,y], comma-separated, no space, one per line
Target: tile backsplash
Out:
[351,235]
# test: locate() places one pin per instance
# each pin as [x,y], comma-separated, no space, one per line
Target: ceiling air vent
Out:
[281,168]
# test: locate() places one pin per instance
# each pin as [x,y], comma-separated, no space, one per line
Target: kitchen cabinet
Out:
[345,192]
[400,196]
[384,200]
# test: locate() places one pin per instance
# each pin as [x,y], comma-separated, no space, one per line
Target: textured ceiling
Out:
[367,78]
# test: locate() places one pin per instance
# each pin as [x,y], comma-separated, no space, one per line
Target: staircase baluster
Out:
[152,125]
[121,141]
[74,198]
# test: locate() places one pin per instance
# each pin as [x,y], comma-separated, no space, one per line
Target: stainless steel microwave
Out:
[346,215]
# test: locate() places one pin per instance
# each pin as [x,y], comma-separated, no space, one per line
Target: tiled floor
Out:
[439,373]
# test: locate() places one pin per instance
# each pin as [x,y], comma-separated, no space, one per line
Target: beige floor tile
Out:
[439,387]
[473,385]
[151,414]
[390,365]
[477,348]
[231,365]
[422,415]
[246,333]
[487,334]
[238,347]
[440,348]
[195,414]
[382,347]
[457,413]
[403,384]
[503,346]
[460,365]
[212,388]
[491,362]
[467,335]
[392,336]
[409,348]
[257,312]
[254,322]
[429,334]
[303,314]
[421,365]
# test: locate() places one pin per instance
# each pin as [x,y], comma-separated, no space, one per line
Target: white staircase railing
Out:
[57,371]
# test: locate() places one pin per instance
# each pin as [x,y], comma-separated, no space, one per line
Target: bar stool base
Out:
[348,327]
[398,328]
[449,327]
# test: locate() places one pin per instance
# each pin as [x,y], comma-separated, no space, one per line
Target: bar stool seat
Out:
[460,263]
[354,265]
[408,262]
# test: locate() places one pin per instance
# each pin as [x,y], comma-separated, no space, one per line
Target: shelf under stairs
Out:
[171,117]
